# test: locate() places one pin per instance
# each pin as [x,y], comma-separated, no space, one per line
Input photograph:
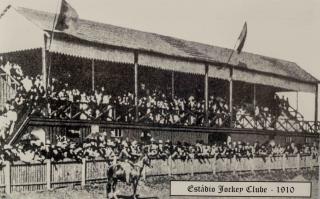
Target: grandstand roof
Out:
[140,41]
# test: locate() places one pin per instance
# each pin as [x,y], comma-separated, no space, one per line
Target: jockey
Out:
[125,155]
[125,160]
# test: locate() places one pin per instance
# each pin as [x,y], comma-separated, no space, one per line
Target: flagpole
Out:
[51,39]
[231,76]
[54,22]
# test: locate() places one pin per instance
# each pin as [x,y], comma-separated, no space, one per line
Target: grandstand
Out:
[104,78]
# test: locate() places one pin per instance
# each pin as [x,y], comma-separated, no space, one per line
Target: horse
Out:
[126,172]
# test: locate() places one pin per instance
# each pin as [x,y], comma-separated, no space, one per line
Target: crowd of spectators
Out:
[65,102]
[113,149]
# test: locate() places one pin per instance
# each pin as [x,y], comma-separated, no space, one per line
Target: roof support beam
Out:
[44,62]
[92,75]
[206,93]
[136,97]
[254,103]
[172,85]
[231,97]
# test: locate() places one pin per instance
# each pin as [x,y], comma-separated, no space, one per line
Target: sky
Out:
[285,29]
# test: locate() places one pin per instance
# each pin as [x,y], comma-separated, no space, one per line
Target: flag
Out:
[67,18]
[242,38]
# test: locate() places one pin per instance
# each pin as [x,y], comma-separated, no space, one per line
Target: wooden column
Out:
[316,107]
[297,101]
[254,95]
[83,172]
[206,94]
[254,103]
[136,97]
[92,75]
[7,177]
[172,85]
[44,62]
[48,174]
[231,96]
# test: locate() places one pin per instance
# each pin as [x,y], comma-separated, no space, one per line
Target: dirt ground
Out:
[158,187]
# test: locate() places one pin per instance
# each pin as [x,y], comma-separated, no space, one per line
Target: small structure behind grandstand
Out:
[129,82]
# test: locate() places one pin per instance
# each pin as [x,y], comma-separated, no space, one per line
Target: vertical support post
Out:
[206,94]
[316,108]
[7,176]
[284,162]
[83,172]
[254,103]
[48,174]
[231,96]
[92,75]
[234,165]
[192,167]
[297,101]
[169,165]
[298,161]
[269,163]
[172,85]
[214,165]
[252,162]
[136,97]
[44,62]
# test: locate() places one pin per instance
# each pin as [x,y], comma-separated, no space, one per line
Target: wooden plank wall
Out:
[35,176]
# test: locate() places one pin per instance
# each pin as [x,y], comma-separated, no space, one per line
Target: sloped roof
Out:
[133,39]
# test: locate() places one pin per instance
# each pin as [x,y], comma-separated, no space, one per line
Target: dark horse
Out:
[126,172]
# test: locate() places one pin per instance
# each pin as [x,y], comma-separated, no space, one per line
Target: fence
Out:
[19,177]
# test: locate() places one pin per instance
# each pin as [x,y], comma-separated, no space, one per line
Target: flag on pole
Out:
[67,17]
[242,38]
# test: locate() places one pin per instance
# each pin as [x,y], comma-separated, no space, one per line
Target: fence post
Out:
[252,164]
[234,162]
[169,162]
[192,167]
[284,162]
[214,165]
[312,163]
[269,163]
[7,176]
[48,174]
[298,161]
[83,172]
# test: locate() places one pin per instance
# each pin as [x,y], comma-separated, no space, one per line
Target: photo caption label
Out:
[244,189]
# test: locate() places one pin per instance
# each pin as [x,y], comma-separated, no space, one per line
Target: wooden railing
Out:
[126,114]
[20,176]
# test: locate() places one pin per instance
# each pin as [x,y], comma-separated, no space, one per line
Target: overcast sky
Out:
[285,29]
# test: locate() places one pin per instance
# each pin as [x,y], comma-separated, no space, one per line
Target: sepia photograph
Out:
[159,99]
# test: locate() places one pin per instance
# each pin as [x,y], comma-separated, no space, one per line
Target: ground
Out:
[158,187]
